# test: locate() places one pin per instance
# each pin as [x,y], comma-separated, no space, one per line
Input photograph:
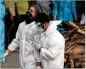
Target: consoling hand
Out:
[36,42]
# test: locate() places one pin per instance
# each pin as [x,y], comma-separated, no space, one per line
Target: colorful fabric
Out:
[2,30]
[64,9]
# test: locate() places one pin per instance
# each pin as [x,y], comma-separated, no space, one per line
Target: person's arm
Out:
[30,41]
[53,52]
[15,42]
[37,56]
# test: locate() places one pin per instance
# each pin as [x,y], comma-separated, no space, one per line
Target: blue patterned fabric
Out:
[64,9]
[2,29]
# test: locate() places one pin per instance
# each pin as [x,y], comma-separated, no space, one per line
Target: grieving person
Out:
[27,59]
[50,44]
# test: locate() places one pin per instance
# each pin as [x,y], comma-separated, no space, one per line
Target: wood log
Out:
[81,31]
[73,25]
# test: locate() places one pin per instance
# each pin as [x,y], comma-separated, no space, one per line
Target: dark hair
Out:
[42,18]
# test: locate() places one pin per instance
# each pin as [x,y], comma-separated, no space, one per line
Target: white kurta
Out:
[53,44]
[27,58]
[29,50]
[18,41]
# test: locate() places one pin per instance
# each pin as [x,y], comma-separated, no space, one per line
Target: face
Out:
[32,11]
[45,26]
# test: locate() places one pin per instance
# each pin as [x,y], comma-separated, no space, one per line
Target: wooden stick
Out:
[73,25]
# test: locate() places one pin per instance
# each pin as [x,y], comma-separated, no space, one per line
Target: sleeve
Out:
[55,7]
[73,7]
[36,43]
[15,43]
[37,55]
[30,40]
[52,52]
[31,37]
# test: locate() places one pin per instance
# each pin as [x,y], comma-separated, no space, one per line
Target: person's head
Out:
[43,19]
[34,10]
[30,15]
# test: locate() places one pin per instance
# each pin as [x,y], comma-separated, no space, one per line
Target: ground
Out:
[12,60]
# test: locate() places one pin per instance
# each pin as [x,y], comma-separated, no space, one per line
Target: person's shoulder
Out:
[22,23]
[31,27]
[55,22]
[31,24]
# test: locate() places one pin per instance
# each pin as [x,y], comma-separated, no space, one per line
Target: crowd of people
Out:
[38,24]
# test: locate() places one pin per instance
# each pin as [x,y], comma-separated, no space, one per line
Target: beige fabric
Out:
[10,4]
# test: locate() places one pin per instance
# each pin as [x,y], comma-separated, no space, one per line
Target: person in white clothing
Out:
[27,58]
[50,44]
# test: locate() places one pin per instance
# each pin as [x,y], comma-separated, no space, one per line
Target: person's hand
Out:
[6,53]
[36,43]
[38,65]
[54,18]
